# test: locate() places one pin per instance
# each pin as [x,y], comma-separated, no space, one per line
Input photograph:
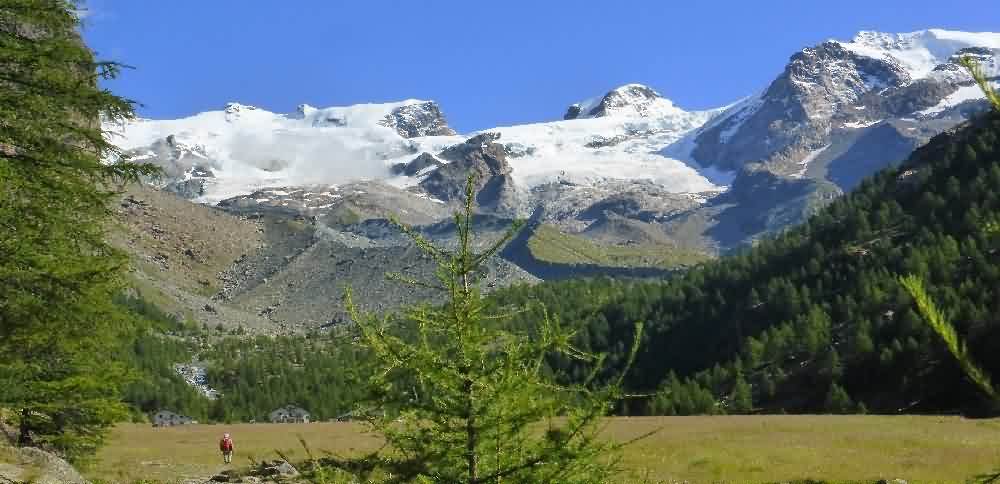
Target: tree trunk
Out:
[471,436]
[24,435]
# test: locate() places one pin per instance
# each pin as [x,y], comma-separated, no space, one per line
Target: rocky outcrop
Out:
[278,469]
[485,159]
[28,464]
[573,111]
[190,189]
[184,168]
[416,165]
[421,119]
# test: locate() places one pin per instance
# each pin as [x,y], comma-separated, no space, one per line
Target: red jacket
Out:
[226,445]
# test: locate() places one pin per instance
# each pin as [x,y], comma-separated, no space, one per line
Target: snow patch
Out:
[963,94]
[921,51]
[861,124]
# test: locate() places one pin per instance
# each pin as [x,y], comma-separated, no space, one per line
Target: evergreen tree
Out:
[57,273]
[838,401]
[742,398]
[465,398]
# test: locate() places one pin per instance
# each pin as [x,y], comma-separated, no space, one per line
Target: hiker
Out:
[226,446]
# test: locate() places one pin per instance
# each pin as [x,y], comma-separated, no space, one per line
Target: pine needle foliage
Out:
[977,73]
[58,323]
[943,328]
[462,396]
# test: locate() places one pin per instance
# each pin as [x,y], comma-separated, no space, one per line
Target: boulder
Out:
[39,466]
[278,468]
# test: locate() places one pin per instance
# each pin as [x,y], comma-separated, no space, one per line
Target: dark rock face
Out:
[573,112]
[484,158]
[413,120]
[418,164]
[621,205]
[882,145]
[760,202]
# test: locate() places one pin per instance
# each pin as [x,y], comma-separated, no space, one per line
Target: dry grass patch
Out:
[549,244]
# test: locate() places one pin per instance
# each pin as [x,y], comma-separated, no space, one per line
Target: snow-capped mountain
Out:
[219,154]
[829,90]
[838,112]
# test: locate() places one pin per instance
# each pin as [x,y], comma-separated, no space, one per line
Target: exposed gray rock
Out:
[418,164]
[484,158]
[602,141]
[422,119]
[190,189]
[40,467]
[176,160]
[279,468]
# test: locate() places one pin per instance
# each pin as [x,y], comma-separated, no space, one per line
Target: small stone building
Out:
[166,418]
[289,414]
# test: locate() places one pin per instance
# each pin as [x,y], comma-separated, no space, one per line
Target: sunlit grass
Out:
[693,449]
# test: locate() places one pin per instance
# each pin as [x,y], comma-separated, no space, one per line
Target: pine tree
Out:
[57,273]
[742,399]
[838,401]
[462,396]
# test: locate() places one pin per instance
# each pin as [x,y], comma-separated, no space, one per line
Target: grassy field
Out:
[694,449]
[549,244]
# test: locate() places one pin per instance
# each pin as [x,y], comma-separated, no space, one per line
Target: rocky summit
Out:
[421,119]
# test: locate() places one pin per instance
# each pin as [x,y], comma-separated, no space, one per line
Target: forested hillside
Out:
[253,375]
[815,319]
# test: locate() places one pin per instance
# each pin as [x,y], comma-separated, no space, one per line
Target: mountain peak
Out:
[629,100]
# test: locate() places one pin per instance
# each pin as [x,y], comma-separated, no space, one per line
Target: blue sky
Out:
[488,63]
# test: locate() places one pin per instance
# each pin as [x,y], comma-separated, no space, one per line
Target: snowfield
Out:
[248,148]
